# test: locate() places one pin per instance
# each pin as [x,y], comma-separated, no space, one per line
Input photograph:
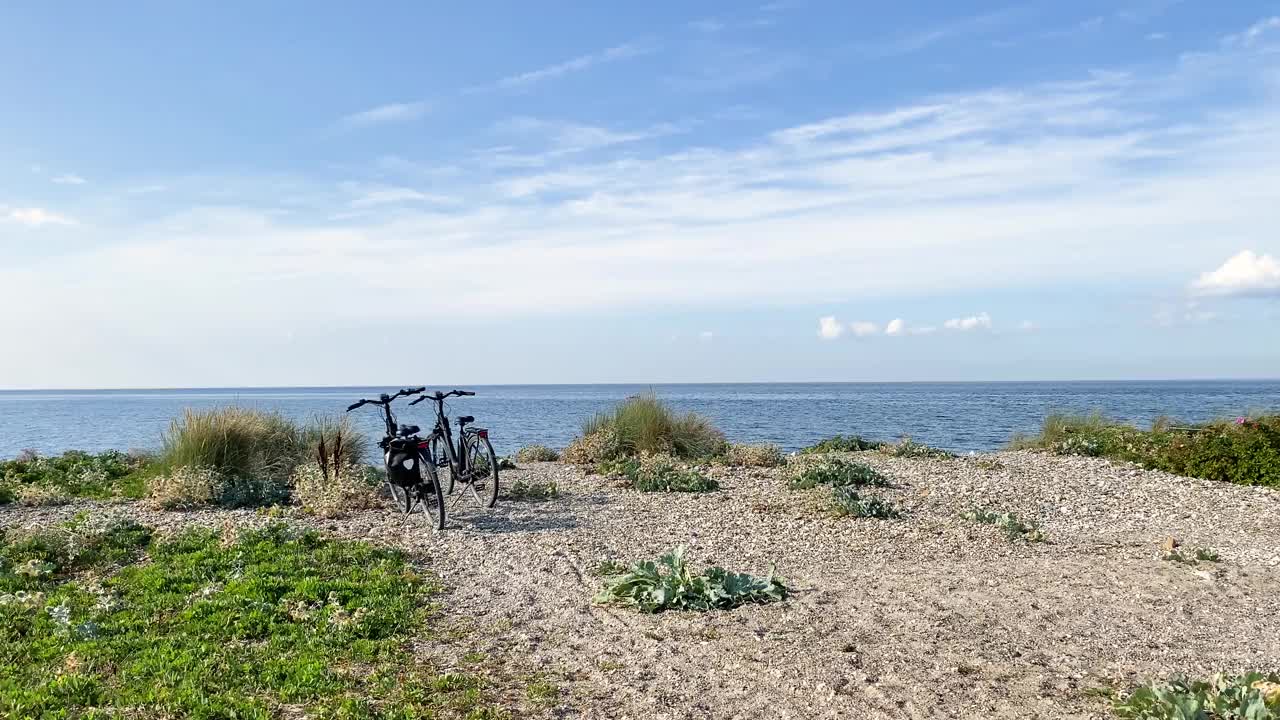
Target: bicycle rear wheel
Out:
[482,469]
[443,469]
[401,498]
[429,496]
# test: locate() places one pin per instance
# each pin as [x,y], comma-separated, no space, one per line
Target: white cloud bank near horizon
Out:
[1244,274]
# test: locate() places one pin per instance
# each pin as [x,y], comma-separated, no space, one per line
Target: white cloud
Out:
[981,321]
[895,327]
[384,114]
[863,328]
[69,179]
[706,336]
[578,64]
[829,328]
[1245,273]
[1028,326]
[37,217]
[1255,32]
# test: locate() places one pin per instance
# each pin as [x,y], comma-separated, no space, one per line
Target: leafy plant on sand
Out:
[841,443]
[837,472]
[532,491]
[753,456]
[35,479]
[1245,451]
[848,502]
[908,448]
[669,584]
[217,626]
[1013,528]
[658,473]
[337,491]
[644,424]
[536,453]
[1190,556]
[1252,696]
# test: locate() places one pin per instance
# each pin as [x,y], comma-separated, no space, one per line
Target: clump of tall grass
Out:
[645,424]
[235,441]
[1245,451]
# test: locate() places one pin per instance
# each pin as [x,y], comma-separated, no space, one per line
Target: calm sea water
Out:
[957,416]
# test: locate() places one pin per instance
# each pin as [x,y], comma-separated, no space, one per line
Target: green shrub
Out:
[335,492]
[669,584]
[1245,451]
[536,453]
[836,472]
[1253,696]
[186,487]
[593,448]
[840,443]
[534,492]
[32,558]
[658,473]
[644,423]
[238,442]
[753,456]
[506,463]
[908,448]
[1194,556]
[72,474]
[1013,528]
[848,502]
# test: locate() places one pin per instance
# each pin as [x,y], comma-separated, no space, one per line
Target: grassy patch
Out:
[1013,528]
[836,472]
[658,473]
[1245,451]
[908,448]
[532,492]
[841,443]
[669,584]
[753,456]
[644,424]
[1190,556]
[536,453]
[37,480]
[216,627]
[1253,696]
[847,501]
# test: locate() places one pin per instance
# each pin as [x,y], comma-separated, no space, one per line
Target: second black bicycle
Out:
[470,460]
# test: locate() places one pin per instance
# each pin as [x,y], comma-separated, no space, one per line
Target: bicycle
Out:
[472,462]
[405,457]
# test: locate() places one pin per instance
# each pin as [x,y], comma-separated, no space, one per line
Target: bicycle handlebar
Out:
[386,399]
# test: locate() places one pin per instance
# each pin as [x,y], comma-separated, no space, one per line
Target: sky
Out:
[288,193]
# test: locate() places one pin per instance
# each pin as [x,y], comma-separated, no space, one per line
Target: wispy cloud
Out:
[384,114]
[36,217]
[578,64]
[981,321]
[921,39]
[69,179]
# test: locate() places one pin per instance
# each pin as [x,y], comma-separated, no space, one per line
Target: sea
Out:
[962,417]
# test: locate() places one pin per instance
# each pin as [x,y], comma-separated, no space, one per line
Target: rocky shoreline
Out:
[929,615]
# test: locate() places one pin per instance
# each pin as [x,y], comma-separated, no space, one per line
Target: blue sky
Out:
[324,193]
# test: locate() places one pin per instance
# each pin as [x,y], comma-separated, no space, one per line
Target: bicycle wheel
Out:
[441,460]
[429,495]
[482,470]
[400,498]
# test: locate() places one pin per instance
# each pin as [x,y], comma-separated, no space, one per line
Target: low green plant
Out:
[658,473]
[33,559]
[36,479]
[1252,696]
[837,472]
[187,487]
[670,584]
[532,491]
[847,501]
[1013,528]
[506,463]
[337,490]
[218,627]
[645,424]
[536,453]
[908,448]
[841,443]
[753,456]
[1188,556]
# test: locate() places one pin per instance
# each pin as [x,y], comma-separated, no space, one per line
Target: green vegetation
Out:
[753,456]
[836,472]
[1013,528]
[658,473]
[1252,696]
[33,479]
[849,502]
[335,492]
[1188,556]
[1245,451]
[215,626]
[644,424]
[536,453]
[532,492]
[908,448]
[840,443]
[669,584]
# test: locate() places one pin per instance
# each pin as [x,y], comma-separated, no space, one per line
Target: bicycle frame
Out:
[456,457]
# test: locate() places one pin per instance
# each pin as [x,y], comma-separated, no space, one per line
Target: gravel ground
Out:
[921,617]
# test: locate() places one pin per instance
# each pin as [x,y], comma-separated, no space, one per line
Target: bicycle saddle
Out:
[407,430]
[465,419]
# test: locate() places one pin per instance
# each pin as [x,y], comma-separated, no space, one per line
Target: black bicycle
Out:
[407,458]
[472,462]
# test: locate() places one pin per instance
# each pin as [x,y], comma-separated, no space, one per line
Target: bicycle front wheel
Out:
[482,466]
[429,495]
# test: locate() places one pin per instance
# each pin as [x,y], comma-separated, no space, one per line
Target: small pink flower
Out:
[1241,421]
